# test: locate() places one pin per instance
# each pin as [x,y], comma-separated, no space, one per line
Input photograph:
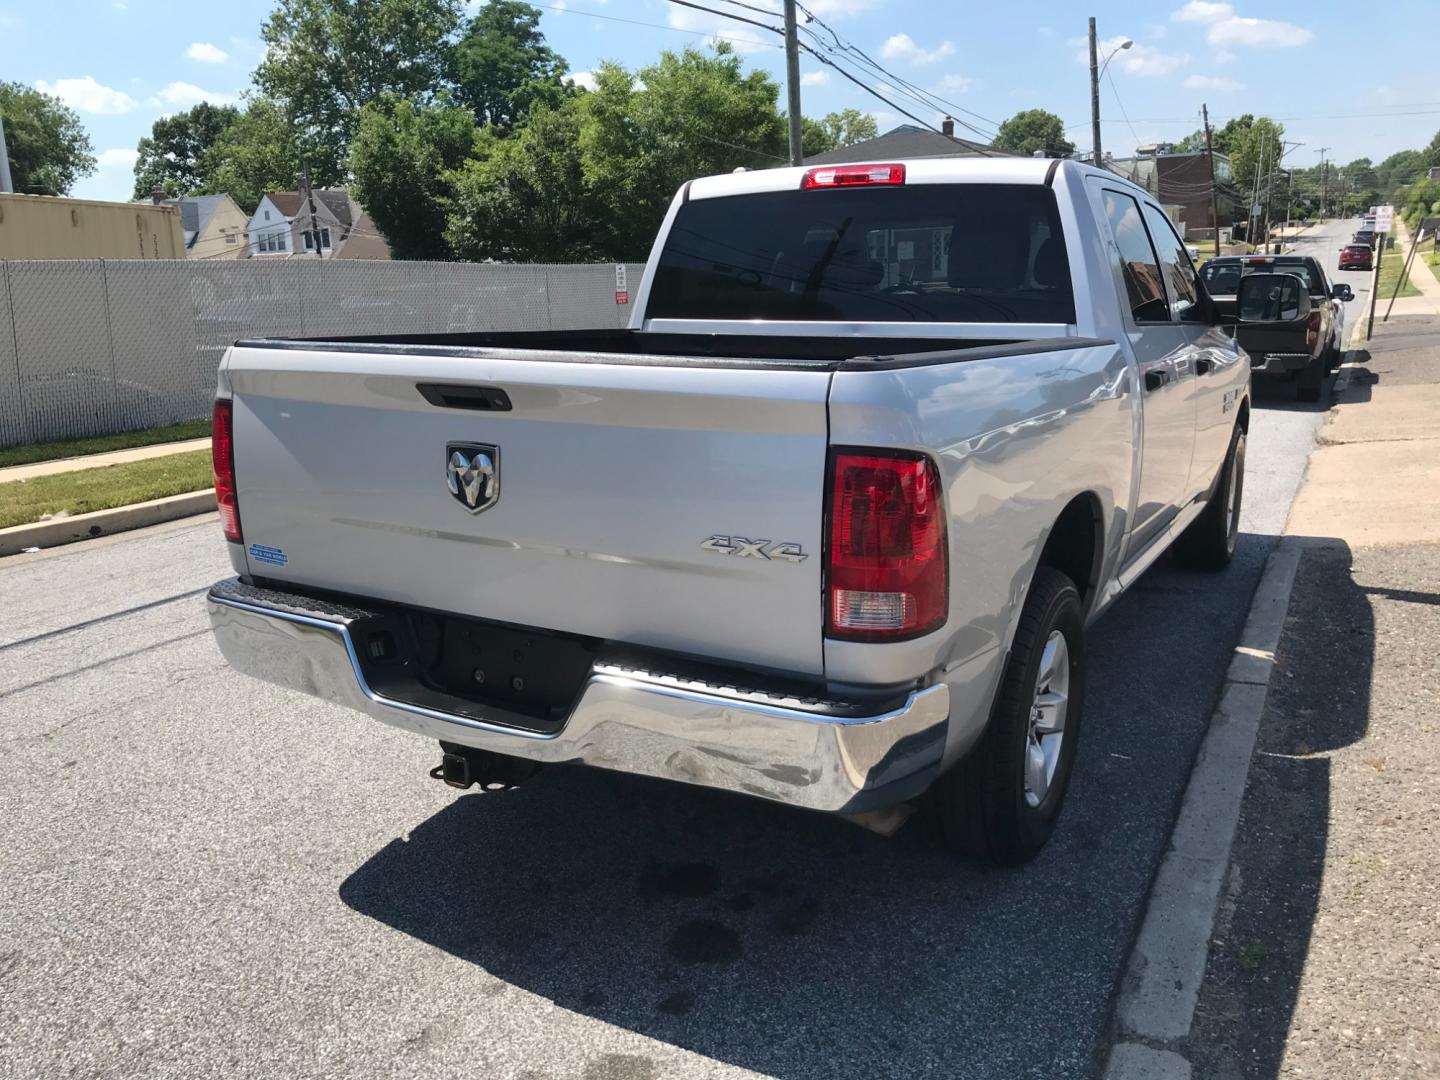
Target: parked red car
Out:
[1357,257]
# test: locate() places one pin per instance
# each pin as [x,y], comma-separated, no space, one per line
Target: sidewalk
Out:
[1325,960]
[97,461]
[1421,276]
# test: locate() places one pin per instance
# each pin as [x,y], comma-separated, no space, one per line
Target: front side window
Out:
[1176,266]
[982,253]
[1138,263]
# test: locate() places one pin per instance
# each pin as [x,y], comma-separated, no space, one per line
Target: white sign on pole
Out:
[1384,218]
[622,292]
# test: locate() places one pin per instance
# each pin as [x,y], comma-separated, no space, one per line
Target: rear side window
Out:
[1138,262]
[1175,264]
[982,253]
[1224,279]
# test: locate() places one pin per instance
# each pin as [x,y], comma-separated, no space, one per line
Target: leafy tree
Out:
[1399,168]
[327,58]
[1432,152]
[687,115]
[1254,148]
[836,130]
[503,66]
[170,155]
[401,162]
[1227,139]
[49,149]
[258,152]
[1032,130]
[526,199]
[849,127]
[1192,143]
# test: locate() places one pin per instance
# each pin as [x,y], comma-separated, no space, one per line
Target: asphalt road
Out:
[205,876]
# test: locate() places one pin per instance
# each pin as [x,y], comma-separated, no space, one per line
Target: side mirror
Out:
[1273,298]
[1342,292]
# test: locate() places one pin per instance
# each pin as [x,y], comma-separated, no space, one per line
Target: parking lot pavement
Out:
[205,876]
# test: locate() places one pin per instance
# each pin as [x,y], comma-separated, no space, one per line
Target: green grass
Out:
[1251,956]
[1390,273]
[100,444]
[1433,259]
[80,492]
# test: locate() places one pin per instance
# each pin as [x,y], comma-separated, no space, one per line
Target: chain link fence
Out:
[94,347]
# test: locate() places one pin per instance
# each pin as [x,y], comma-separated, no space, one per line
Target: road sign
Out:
[622,291]
[1384,217]
[1256,210]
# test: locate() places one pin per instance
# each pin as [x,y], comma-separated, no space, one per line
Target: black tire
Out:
[1209,542]
[981,807]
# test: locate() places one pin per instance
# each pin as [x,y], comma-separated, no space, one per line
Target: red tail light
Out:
[833,176]
[1312,328]
[888,569]
[222,454]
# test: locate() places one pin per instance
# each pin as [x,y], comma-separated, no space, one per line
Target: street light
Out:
[1118,48]
[1096,70]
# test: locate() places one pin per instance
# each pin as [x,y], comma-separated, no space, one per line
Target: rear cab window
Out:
[981,253]
[1223,279]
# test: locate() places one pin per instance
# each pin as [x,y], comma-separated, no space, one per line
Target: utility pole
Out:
[1095,97]
[1270,193]
[1214,199]
[1252,219]
[310,198]
[5,182]
[1324,183]
[1289,198]
[792,82]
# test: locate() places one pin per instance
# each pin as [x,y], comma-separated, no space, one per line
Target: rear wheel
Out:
[1209,542]
[1002,801]
[1312,380]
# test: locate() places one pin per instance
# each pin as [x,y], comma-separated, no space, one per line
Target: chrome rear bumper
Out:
[796,751]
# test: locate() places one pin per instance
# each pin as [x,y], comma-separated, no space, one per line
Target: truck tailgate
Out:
[612,476]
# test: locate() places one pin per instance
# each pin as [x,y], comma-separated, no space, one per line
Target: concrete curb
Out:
[45,534]
[1163,974]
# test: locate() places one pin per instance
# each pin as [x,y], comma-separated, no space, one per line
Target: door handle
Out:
[1203,364]
[1155,378]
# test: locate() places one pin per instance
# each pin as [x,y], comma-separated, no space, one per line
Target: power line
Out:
[659,26]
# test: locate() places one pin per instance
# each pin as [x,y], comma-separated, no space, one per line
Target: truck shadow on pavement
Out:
[799,945]
[1318,703]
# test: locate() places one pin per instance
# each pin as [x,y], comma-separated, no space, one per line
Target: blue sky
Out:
[123,63]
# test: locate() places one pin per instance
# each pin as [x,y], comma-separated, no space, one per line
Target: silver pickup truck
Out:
[824,526]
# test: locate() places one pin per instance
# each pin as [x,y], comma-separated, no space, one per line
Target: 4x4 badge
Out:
[754,549]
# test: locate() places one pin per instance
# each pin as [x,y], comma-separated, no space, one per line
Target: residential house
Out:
[284,226]
[1183,180]
[905,141]
[213,225]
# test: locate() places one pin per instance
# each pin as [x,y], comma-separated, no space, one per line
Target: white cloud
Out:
[206,53]
[1212,82]
[1258,33]
[1224,27]
[559,7]
[583,78]
[1142,60]
[957,82]
[1202,11]
[184,95]
[121,157]
[839,9]
[815,78]
[903,47]
[87,95]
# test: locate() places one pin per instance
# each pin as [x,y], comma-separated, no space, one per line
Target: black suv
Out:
[1305,350]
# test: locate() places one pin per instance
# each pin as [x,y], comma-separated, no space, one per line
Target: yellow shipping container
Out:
[46,227]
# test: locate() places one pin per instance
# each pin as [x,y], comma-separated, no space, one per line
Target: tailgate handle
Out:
[458,396]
